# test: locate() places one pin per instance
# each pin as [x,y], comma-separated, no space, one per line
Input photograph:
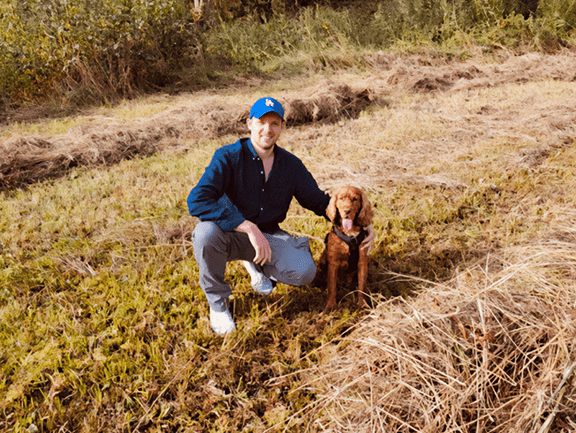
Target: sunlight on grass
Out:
[105,326]
[50,128]
[103,260]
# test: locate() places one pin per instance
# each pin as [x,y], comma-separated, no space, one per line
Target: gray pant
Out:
[291,262]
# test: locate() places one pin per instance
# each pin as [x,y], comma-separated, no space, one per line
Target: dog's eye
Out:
[354,198]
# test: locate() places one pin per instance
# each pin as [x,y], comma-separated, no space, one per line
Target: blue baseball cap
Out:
[266,105]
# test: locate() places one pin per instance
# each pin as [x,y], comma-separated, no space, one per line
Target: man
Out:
[240,199]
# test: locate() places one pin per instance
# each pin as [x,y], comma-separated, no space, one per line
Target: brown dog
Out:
[351,213]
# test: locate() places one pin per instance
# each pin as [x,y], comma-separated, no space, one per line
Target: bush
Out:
[97,48]
[87,50]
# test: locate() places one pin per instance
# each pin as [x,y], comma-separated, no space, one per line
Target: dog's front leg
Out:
[363,260]
[331,282]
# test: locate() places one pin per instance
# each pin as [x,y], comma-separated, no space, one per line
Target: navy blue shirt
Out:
[233,188]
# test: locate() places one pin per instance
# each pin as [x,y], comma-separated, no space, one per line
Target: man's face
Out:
[265,131]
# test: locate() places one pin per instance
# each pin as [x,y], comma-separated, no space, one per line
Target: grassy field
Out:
[470,168]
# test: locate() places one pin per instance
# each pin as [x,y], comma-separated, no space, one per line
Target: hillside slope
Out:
[28,159]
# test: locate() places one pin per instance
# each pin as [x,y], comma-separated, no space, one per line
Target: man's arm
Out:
[208,200]
[258,241]
[308,193]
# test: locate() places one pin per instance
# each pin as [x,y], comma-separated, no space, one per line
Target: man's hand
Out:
[258,241]
[367,242]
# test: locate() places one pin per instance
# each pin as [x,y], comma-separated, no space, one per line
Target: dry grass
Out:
[490,350]
[27,159]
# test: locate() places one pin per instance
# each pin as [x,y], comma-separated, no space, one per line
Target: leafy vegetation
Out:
[84,51]
[90,50]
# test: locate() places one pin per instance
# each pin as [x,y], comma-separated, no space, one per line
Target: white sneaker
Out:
[221,322]
[259,282]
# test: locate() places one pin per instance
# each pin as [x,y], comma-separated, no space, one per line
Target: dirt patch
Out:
[328,103]
[25,160]
[418,74]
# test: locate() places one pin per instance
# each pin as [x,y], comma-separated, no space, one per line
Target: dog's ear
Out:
[366,214]
[331,210]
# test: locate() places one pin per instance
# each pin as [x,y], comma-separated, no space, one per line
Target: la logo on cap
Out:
[269,103]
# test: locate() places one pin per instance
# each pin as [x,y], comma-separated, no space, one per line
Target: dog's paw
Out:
[330,306]
[363,304]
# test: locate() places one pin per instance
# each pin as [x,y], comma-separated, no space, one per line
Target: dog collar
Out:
[352,241]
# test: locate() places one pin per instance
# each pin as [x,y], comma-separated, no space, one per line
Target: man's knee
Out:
[308,275]
[303,273]
[206,233]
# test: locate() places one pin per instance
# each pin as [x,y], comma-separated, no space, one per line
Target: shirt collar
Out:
[253,151]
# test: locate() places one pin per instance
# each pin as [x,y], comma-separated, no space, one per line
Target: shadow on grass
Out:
[390,276]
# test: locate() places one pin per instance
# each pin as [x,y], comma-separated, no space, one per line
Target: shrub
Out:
[560,14]
[87,50]
[111,47]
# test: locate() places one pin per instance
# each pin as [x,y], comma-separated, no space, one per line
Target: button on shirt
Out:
[233,188]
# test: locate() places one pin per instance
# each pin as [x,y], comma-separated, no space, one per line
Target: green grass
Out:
[104,324]
[104,327]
